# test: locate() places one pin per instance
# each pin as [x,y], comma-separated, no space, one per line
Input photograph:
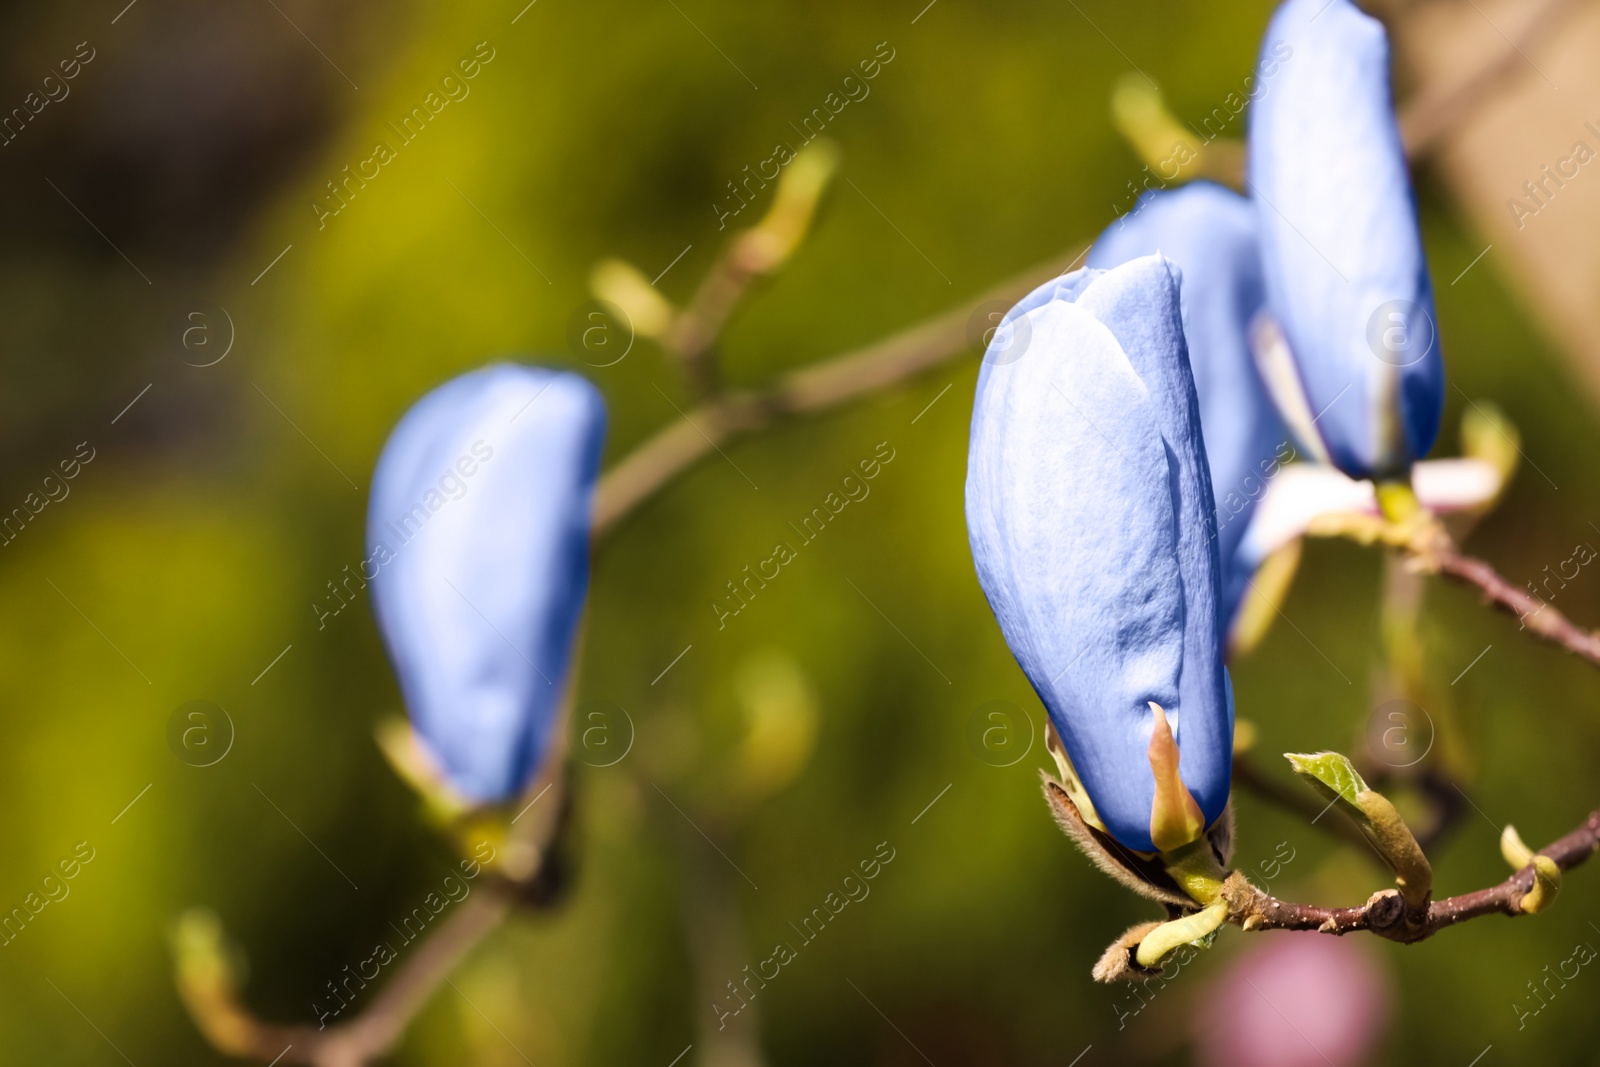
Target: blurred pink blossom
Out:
[1295,1000]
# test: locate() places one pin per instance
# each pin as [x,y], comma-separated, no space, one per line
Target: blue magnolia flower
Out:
[478,526]
[1211,234]
[1090,515]
[1357,368]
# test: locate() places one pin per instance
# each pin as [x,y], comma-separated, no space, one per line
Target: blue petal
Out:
[1089,513]
[1211,234]
[1345,272]
[481,506]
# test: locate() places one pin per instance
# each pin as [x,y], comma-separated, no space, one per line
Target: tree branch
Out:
[695,329]
[534,863]
[1536,615]
[213,1002]
[818,387]
[1449,802]
[1429,548]
[377,1029]
[1384,914]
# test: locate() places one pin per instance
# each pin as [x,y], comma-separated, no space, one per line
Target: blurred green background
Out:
[191,549]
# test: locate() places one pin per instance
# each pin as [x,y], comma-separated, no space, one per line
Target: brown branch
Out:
[230,1027]
[1537,616]
[1385,914]
[535,852]
[376,1030]
[815,388]
[1429,549]
[750,256]
[1449,803]
[695,329]
[1425,121]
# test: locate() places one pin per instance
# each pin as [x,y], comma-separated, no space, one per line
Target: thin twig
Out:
[233,1030]
[750,255]
[814,388]
[376,1030]
[1449,803]
[708,903]
[211,994]
[1429,549]
[695,329]
[1537,616]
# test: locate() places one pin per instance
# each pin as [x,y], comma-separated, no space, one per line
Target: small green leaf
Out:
[1331,774]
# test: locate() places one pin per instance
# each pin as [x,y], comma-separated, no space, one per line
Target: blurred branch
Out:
[1248,776]
[1449,802]
[210,991]
[1446,798]
[1404,676]
[817,387]
[708,904]
[1537,616]
[1425,121]
[1430,549]
[1140,113]
[750,256]
[372,1033]
[753,254]
[528,869]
